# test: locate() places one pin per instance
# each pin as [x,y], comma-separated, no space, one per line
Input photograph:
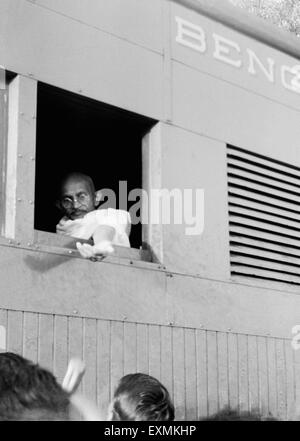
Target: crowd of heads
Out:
[29,392]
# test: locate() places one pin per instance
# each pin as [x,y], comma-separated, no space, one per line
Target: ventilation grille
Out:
[264,217]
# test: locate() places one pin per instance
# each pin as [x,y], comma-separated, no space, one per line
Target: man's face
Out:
[77,199]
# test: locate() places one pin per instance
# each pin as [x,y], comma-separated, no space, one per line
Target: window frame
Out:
[18,170]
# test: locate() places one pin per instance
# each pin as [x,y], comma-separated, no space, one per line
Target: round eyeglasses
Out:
[68,202]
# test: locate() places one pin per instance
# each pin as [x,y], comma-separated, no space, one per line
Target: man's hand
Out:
[74,374]
[88,251]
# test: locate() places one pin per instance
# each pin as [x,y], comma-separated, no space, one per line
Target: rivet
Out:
[75,311]
[80,90]
[22,113]
[171,323]
[31,202]
[20,156]
[70,252]
[10,241]
[19,200]
[125,317]
[229,329]
[29,244]
[131,263]
[18,243]
[32,158]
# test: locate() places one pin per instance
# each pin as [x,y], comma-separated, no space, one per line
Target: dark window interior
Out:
[75,133]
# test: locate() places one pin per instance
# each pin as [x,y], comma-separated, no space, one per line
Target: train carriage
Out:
[194,99]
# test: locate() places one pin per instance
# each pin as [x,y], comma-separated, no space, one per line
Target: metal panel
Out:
[61,284]
[116,17]
[206,59]
[221,111]
[68,54]
[20,173]
[187,164]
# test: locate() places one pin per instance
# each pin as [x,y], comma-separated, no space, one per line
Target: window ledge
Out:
[61,241]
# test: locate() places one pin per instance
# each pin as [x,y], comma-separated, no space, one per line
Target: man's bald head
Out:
[77,195]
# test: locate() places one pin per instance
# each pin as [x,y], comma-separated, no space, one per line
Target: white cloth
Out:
[85,227]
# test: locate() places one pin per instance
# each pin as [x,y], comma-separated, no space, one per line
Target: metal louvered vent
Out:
[264,217]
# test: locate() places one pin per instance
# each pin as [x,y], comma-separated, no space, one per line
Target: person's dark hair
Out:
[228,414]
[140,397]
[29,392]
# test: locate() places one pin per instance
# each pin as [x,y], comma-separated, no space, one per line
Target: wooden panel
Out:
[103,364]
[272,376]
[130,348]
[30,336]
[154,351]
[46,341]
[263,375]
[60,358]
[212,373]
[75,340]
[223,377]
[80,58]
[166,358]
[190,374]
[281,379]
[253,373]
[3,329]
[15,332]
[89,383]
[243,372]
[202,374]
[117,353]
[290,377]
[233,371]
[142,349]
[179,373]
